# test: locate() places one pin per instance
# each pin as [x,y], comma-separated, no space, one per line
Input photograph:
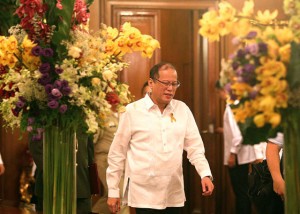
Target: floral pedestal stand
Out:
[292,160]
[59,173]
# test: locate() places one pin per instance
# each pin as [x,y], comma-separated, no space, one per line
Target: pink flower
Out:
[59,5]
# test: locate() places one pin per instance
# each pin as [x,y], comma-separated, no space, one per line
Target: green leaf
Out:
[254,135]
[62,20]
[7,17]
[89,2]
[293,74]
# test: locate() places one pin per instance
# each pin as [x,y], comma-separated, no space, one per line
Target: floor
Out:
[15,210]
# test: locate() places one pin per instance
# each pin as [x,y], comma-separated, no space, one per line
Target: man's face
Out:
[162,89]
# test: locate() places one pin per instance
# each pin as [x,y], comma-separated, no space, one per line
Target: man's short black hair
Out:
[160,66]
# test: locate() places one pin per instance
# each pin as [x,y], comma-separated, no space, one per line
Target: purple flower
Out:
[45,67]
[63,108]
[53,104]
[58,70]
[36,137]
[64,83]
[37,50]
[58,84]
[21,103]
[45,79]
[56,93]
[263,48]
[48,88]
[30,120]
[66,90]
[251,35]
[252,49]
[235,65]
[47,52]
[239,71]
[249,68]
[240,53]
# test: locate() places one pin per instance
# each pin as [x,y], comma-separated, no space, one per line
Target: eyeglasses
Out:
[175,84]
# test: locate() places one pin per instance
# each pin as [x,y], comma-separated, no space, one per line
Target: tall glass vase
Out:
[292,160]
[59,175]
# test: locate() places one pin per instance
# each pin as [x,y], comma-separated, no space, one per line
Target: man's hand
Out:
[2,169]
[207,186]
[114,204]
[231,160]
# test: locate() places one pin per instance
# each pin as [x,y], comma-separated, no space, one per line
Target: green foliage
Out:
[7,16]
[254,135]
[61,18]
[293,74]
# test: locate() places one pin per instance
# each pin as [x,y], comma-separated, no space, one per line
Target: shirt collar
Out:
[149,103]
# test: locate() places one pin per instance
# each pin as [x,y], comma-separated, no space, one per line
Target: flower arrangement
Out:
[255,76]
[262,78]
[52,67]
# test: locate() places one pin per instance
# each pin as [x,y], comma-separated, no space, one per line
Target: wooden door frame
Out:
[200,60]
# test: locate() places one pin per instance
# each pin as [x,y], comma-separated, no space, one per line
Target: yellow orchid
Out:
[248,9]
[281,100]
[271,68]
[112,33]
[242,27]
[268,85]
[274,119]
[259,120]
[211,32]
[284,35]
[241,89]
[267,103]
[226,11]
[285,53]
[266,17]
[273,49]
[210,25]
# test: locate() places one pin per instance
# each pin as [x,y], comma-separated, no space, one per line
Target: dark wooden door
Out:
[176,27]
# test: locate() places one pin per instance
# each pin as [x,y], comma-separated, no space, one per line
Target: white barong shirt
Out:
[150,144]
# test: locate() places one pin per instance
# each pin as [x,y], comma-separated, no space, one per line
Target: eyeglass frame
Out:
[168,83]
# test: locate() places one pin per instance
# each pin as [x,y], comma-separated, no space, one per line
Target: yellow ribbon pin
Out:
[172,118]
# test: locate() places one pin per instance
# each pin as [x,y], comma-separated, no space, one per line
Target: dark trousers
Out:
[83,205]
[239,183]
[168,210]
[272,204]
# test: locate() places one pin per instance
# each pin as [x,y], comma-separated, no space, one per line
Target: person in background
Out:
[237,156]
[102,144]
[2,168]
[273,152]
[84,156]
[149,144]
[145,89]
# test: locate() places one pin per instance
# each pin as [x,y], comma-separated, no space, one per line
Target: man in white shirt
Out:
[237,156]
[2,168]
[149,143]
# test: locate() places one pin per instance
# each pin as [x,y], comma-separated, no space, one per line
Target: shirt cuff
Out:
[114,193]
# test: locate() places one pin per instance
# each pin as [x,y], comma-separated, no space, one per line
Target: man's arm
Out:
[273,160]
[2,168]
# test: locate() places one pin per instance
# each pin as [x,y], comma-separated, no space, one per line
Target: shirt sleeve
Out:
[235,132]
[194,146]
[1,161]
[278,140]
[117,155]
